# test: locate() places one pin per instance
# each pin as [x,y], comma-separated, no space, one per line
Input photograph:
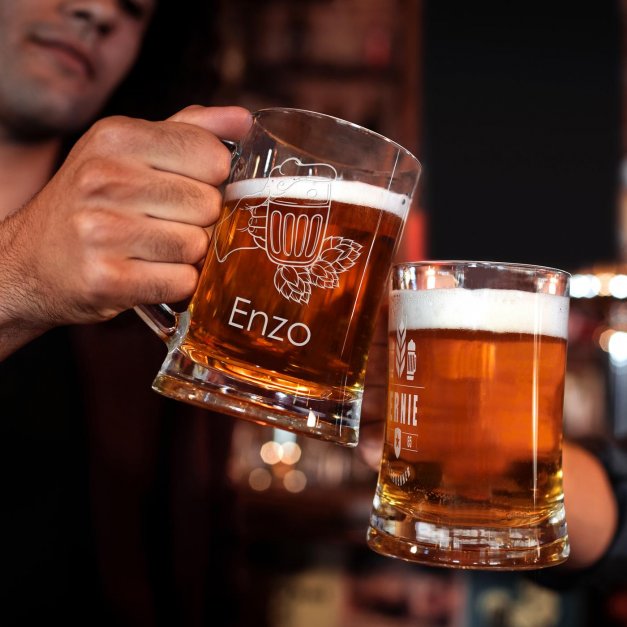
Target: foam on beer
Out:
[500,311]
[299,188]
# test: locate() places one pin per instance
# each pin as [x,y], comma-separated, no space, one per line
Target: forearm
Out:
[591,508]
[16,326]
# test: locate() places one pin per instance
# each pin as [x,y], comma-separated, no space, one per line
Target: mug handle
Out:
[162,319]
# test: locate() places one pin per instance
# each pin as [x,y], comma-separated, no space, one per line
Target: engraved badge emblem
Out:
[397,442]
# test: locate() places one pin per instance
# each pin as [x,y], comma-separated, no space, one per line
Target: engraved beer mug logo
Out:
[404,394]
[404,354]
[289,220]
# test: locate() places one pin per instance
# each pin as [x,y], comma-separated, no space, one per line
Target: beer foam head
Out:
[500,311]
[317,189]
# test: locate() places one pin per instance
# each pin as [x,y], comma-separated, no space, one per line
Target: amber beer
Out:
[280,324]
[287,284]
[472,452]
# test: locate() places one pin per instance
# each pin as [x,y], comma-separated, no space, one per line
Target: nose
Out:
[97,16]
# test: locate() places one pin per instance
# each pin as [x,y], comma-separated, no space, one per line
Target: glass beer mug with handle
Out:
[471,475]
[279,327]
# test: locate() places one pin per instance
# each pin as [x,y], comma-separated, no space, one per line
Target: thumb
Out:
[224,122]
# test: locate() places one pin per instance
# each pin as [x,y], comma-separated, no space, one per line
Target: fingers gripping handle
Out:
[162,319]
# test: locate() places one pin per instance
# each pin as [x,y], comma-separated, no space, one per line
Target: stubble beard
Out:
[31,112]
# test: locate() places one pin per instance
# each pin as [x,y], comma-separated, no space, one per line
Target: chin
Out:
[49,120]
[36,110]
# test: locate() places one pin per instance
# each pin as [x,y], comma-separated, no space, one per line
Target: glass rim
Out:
[469,263]
[357,127]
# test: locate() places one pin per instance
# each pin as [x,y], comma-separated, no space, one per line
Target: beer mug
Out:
[471,474]
[279,327]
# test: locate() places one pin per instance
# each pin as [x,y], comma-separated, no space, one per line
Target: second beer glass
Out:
[279,328]
[471,475]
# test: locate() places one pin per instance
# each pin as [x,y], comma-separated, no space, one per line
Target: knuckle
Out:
[193,108]
[101,283]
[111,131]
[94,226]
[183,114]
[95,174]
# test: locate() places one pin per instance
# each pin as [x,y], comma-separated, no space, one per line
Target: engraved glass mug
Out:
[471,475]
[279,327]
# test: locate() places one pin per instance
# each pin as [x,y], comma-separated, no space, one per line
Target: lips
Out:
[69,52]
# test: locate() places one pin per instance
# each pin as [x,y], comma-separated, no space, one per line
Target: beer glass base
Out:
[183,379]
[398,534]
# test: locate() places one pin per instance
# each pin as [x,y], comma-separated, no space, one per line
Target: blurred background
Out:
[518,114]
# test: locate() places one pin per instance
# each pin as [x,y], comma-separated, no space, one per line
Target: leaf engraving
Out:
[341,253]
[400,349]
[323,274]
[293,283]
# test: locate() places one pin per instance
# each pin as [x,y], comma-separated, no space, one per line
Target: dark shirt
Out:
[117,500]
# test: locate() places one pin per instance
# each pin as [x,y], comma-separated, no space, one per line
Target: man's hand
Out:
[122,222]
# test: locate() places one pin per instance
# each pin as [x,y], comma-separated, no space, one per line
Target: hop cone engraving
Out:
[293,283]
[324,275]
[340,252]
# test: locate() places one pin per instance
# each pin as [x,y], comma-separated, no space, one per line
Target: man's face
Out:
[60,60]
